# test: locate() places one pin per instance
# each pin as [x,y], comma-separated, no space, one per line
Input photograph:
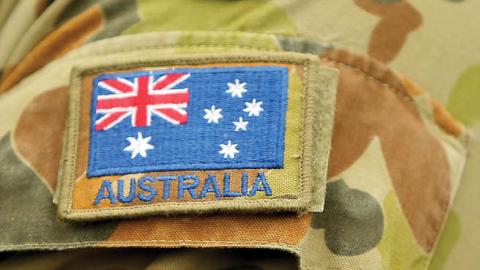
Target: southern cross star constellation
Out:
[236,89]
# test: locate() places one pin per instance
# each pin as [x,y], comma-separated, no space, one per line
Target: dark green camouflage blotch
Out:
[118,15]
[353,220]
[28,215]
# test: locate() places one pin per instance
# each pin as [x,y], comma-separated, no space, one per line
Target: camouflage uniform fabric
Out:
[401,190]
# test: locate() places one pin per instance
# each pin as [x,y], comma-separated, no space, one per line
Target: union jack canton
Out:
[142,98]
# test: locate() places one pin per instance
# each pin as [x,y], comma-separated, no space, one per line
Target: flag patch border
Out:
[318,105]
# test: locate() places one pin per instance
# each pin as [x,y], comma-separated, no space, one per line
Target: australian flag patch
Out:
[193,134]
[188,119]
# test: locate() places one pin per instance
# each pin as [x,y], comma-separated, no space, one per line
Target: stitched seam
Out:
[194,59]
[74,139]
[286,202]
[189,243]
[277,245]
[167,46]
[397,91]
[302,135]
[112,242]
[320,108]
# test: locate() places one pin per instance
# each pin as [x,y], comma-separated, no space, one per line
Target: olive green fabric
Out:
[27,219]
[433,43]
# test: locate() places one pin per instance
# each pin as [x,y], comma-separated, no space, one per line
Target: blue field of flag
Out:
[188,119]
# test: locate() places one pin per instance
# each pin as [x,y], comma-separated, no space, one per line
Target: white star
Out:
[138,145]
[253,108]
[212,114]
[228,150]
[240,125]
[236,89]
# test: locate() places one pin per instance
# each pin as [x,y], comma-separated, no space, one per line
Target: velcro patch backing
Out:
[197,133]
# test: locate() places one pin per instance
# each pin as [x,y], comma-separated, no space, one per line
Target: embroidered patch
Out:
[188,119]
[196,134]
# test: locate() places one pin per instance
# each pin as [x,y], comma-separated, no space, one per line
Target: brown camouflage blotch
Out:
[41,6]
[38,135]
[368,106]
[214,231]
[397,20]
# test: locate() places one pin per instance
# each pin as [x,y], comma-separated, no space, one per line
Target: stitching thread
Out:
[398,92]
[286,203]
[292,248]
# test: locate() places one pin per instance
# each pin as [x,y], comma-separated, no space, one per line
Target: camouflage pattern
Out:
[401,189]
